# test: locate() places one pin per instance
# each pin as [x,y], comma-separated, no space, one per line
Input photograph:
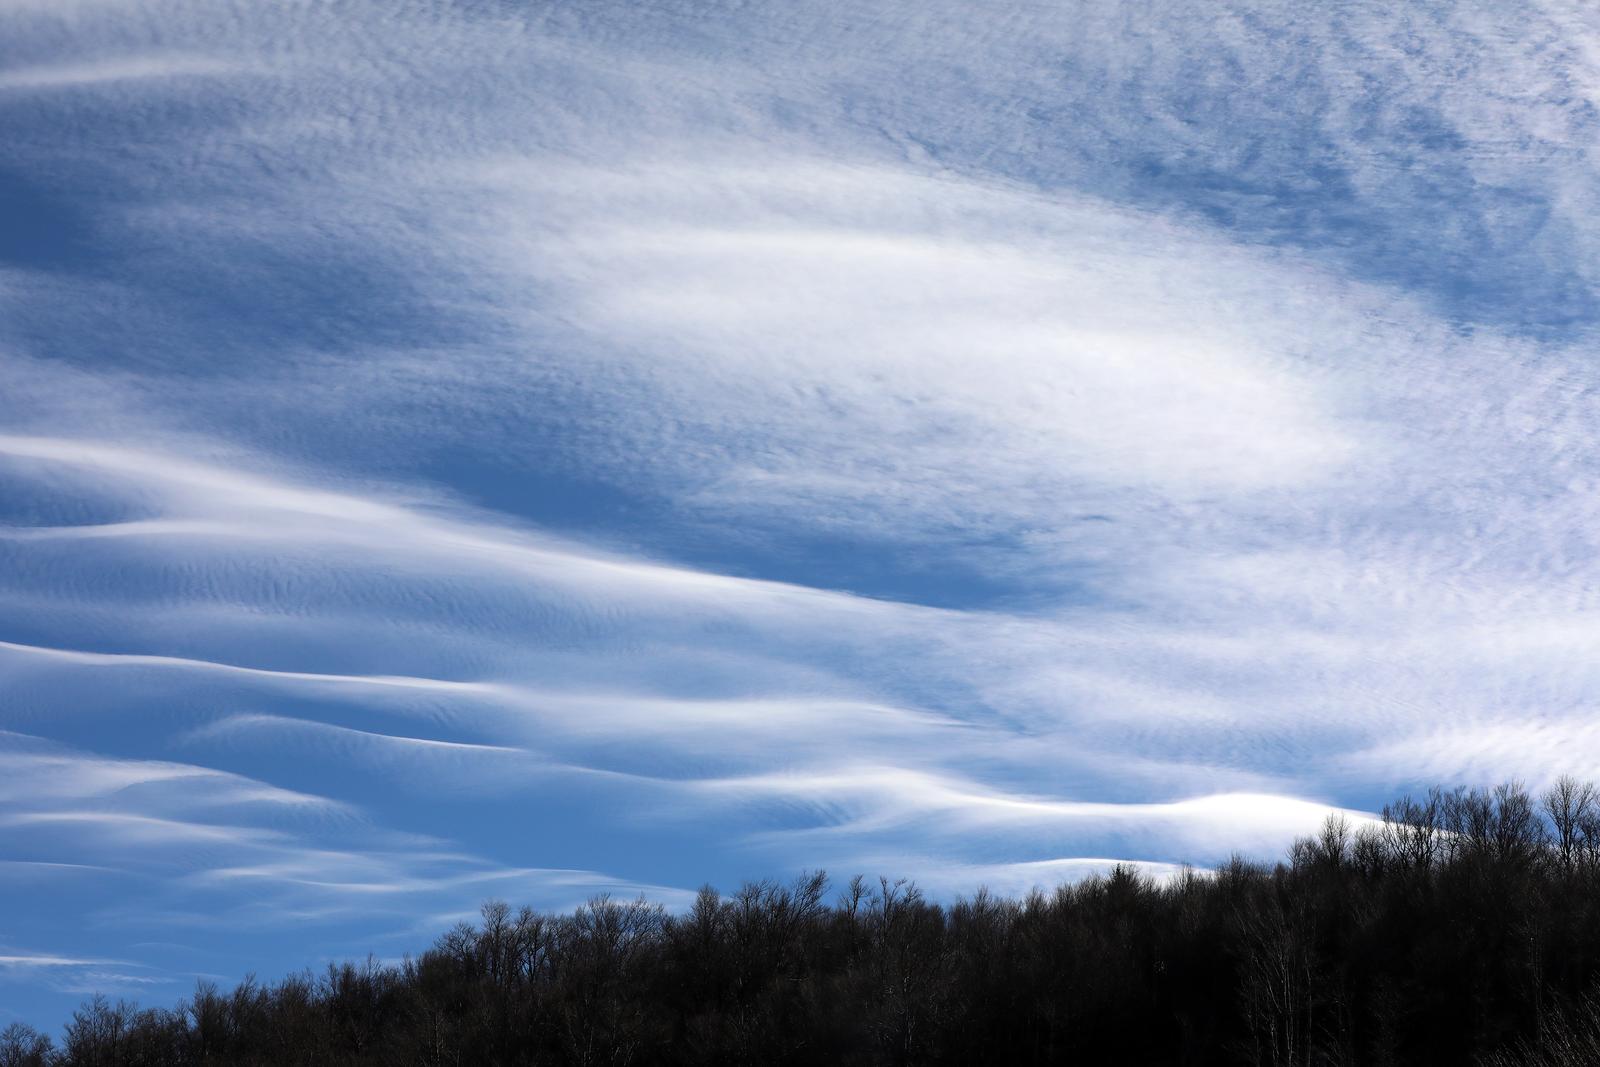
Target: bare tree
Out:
[1517,836]
[1572,807]
[1412,829]
[23,1046]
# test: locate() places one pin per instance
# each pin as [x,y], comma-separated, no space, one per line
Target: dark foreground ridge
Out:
[1464,929]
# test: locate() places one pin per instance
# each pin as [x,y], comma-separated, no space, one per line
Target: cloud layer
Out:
[530,453]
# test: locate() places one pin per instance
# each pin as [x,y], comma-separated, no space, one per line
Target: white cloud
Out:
[1181,369]
[853,800]
[32,772]
[915,335]
[1518,744]
[112,69]
[33,960]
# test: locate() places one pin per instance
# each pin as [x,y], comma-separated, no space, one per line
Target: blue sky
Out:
[533,450]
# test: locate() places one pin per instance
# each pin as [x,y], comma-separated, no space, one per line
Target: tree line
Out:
[1464,928]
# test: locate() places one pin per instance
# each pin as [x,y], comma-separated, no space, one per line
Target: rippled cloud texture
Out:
[532,450]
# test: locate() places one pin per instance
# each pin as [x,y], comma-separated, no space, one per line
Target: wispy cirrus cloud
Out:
[111,69]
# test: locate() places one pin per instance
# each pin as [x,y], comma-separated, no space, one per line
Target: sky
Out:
[535,450]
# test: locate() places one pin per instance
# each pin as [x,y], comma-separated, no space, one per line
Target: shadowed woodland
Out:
[1464,928]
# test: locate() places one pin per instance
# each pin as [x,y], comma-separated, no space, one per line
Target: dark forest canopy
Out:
[1464,928]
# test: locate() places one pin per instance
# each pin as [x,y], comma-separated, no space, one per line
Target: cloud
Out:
[162,824]
[77,657]
[885,299]
[1534,748]
[32,960]
[36,772]
[221,504]
[121,69]
[1016,880]
[543,451]
[861,799]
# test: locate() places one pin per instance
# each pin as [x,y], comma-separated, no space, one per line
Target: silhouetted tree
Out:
[23,1046]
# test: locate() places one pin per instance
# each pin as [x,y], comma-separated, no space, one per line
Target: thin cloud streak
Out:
[120,69]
